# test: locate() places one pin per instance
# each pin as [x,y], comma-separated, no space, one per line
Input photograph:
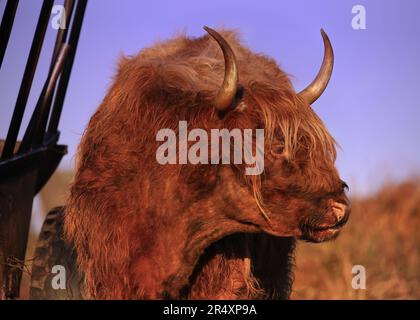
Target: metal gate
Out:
[27,165]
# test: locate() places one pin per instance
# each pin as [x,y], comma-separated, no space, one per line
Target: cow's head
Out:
[300,192]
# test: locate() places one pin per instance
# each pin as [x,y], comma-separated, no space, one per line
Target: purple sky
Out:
[370,106]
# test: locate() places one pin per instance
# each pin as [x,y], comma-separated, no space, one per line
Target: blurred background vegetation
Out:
[382,235]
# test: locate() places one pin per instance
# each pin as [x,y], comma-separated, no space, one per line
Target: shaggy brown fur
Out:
[145,230]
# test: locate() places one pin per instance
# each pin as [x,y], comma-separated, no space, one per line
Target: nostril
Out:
[339,210]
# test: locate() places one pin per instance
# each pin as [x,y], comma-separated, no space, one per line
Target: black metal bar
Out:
[28,137]
[65,76]
[41,124]
[62,33]
[6,26]
[36,129]
[27,78]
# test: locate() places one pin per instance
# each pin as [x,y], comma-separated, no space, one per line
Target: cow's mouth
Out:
[314,233]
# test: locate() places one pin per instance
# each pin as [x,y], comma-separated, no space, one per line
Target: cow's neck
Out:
[198,223]
[244,266]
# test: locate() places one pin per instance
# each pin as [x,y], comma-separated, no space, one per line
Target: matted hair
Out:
[116,167]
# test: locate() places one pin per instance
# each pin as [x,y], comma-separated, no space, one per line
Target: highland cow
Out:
[143,230]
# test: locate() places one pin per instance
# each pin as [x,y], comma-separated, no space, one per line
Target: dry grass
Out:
[383,236]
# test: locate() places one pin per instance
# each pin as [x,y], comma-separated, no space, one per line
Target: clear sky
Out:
[371,105]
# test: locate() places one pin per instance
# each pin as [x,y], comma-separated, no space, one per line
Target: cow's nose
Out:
[344,185]
[339,210]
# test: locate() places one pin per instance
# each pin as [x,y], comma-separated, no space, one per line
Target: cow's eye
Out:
[277,150]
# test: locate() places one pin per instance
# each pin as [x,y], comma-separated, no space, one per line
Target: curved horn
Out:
[318,85]
[227,91]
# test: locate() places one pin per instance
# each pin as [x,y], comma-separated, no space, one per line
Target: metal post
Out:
[28,76]
[6,26]
[65,76]
[45,104]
